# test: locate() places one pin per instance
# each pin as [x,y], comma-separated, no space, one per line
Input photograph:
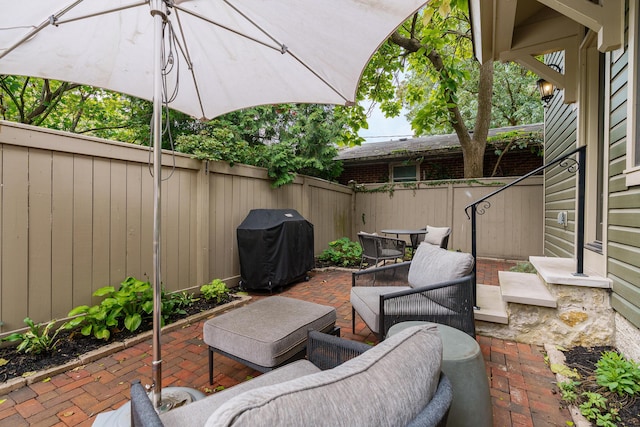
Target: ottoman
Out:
[268,333]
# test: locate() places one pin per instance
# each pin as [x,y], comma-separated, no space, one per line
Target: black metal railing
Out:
[480,206]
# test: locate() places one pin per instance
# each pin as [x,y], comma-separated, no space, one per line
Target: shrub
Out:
[215,291]
[618,374]
[342,252]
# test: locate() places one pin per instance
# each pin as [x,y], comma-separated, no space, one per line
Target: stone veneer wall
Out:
[627,338]
[583,317]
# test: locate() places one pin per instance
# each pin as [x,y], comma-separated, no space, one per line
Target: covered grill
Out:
[275,248]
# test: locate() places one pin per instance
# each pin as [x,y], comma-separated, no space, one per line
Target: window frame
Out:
[415,165]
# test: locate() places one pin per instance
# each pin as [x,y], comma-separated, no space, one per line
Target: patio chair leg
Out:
[210,366]
[353,320]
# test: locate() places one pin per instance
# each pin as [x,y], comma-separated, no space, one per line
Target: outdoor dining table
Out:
[414,235]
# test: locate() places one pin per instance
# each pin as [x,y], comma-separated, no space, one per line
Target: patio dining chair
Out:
[438,236]
[379,248]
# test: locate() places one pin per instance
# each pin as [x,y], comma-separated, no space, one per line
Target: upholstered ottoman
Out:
[267,333]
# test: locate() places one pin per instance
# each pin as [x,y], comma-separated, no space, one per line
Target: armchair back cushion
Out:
[432,264]
[435,235]
[381,387]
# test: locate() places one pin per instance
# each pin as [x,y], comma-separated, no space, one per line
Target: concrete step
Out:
[492,307]
[562,271]
[525,288]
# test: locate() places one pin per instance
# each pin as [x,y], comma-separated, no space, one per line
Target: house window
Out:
[404,173]
[632,171]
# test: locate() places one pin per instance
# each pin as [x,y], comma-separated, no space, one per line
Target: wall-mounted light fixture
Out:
[546,88]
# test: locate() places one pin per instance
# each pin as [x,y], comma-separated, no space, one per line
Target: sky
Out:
[384,129]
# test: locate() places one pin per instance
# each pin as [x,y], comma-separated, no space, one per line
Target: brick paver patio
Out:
[522,386]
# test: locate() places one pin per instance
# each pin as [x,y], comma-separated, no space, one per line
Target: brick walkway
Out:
[522,387]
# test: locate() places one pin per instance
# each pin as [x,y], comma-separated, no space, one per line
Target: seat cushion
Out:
[267,332]
[385,386]
[198,412]
[436,234]
[432,264]
[366,302]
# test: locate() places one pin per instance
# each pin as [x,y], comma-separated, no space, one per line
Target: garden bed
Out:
[75,349]
[583,360]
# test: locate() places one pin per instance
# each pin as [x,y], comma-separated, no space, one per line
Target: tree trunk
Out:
[473,148]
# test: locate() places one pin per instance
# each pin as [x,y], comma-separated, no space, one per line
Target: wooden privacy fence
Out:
[76,215]
[511,228]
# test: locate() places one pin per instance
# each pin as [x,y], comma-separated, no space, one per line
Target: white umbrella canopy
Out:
[202,57]
[227,55]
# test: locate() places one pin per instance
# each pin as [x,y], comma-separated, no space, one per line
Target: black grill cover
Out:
[275,248]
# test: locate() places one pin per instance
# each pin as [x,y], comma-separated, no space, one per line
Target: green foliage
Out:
[568,390]
[618,374]
[342,252]
[595,408]
[37,339]
[176,304]
[523,267]
[285,139]
[127,307]
[216,291]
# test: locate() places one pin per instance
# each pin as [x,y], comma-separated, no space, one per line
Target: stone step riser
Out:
[572,312]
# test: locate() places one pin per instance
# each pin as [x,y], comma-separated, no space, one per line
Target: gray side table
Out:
[463,364]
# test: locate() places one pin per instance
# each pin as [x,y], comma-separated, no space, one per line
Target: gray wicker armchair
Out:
[436,286]
[379,248]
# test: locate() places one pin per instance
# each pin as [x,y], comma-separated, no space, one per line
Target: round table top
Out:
[456,345]
[403,231]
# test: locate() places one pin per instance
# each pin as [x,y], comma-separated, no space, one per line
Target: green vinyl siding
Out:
[623,238]
[560,183]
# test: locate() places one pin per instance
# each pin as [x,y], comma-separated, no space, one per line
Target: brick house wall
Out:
[443,166]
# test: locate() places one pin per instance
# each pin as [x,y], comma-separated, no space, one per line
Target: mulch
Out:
[584,360]
[73,344]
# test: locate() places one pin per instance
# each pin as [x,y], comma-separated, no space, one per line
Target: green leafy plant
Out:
[175,304]
[568,390]
[129,303]
[618,374]
[216,291]
[595,408]
[342,252]
[38,339]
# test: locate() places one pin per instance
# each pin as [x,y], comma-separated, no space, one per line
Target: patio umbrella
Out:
[201,57]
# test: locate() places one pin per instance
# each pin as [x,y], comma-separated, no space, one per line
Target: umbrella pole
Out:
[159,15]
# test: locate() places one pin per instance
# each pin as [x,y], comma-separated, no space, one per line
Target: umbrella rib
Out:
[182,44]
[282,48]
[104,12]
[50,21]
[285,49]
[224,27]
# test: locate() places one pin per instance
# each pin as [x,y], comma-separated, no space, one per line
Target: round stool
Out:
[463,364]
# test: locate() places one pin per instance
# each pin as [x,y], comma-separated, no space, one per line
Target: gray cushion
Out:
[198,412]
[432,264]
[386,386]
[436,234]
[366,301]
[269,331]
